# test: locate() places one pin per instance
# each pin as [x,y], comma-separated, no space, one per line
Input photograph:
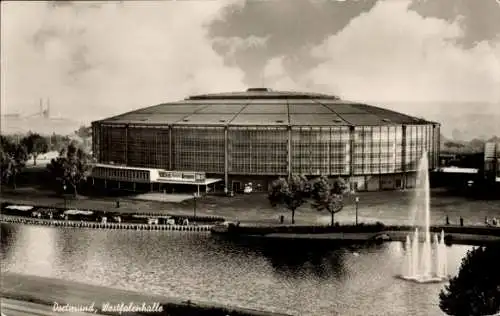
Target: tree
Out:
[71,168]
[58,142]
[329,196]
[36,145]
[476,289]
[12,159]
[84,132]
[290,193]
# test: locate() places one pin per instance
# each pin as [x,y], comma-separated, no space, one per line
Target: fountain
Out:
[421,251]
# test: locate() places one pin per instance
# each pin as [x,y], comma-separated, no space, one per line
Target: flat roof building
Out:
[260,134]
[492,161]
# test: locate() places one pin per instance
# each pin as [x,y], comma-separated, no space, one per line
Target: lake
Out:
[353,280]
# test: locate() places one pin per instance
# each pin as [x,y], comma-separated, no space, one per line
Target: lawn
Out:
[389,207]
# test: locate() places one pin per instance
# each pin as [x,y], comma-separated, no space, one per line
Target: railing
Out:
[83,224]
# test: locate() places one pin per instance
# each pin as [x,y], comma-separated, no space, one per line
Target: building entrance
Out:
[237,187]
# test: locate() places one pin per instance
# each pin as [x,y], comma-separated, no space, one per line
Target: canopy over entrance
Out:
[204,182]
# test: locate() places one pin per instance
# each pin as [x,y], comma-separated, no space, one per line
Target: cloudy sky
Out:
[97,59]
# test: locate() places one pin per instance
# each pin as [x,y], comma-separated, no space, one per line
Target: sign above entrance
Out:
[188,176]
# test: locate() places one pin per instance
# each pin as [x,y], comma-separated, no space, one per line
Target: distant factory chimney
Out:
[46,114]
[41,107]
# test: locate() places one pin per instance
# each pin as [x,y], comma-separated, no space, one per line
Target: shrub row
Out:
[360,228]
[263,230]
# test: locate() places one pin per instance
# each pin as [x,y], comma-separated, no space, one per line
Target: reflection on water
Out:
[295,280]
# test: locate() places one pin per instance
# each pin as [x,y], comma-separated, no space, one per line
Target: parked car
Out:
[248,189]
[170,221]
[152,221]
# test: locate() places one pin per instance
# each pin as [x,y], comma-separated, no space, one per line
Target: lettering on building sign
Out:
[186,176]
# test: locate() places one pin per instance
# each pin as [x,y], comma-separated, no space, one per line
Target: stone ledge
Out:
[46,291]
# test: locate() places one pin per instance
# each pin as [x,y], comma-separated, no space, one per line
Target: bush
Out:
[476,288]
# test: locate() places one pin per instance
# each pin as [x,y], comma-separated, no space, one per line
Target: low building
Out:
[492,162]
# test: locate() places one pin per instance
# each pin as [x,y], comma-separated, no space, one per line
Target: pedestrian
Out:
[486,220]
[447,220]
[494,221]
[461,221]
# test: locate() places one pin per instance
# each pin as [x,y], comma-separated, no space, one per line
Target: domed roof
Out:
[262,106]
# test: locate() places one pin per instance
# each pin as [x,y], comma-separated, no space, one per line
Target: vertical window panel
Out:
[114,144]
[258,150]
[148,147]
[198,149]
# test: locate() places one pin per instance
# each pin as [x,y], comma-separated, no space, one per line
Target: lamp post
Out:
[357,202]
[64,195]
[194,199]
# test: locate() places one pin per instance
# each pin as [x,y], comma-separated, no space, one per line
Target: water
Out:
[344,281]
[419,265]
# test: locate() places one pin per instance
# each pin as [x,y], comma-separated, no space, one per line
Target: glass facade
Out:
[96,141]
[320,150]
[198,148]
[264,150]
[436,144]
[418,141]
[258,150]
[121,174]
[389,149]
[148,147]
[113,144]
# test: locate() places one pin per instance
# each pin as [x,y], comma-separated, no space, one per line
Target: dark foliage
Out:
[70,169]
[328,195]
[12,160]
[291,193]
[58,142]
[35,145]
[465,147]
[476,289]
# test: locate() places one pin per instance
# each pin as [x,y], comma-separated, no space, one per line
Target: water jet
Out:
[425,257]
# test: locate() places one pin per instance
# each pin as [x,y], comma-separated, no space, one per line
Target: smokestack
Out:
[47,112]
[41,106]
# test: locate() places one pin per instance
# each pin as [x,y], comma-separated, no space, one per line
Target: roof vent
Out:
[337,120]
[280,121]
[258,90]
[222,121]
[185,120]
[386,120]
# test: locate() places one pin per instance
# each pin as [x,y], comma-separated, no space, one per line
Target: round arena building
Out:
[229,141]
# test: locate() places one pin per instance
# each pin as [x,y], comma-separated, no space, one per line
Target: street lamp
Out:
[357,202]
[64,195]
[194,199]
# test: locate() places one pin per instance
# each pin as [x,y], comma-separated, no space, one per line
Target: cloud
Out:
[290,28]
[394,54]
[479,20]
[94,60]
[276,75]
[232,45]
